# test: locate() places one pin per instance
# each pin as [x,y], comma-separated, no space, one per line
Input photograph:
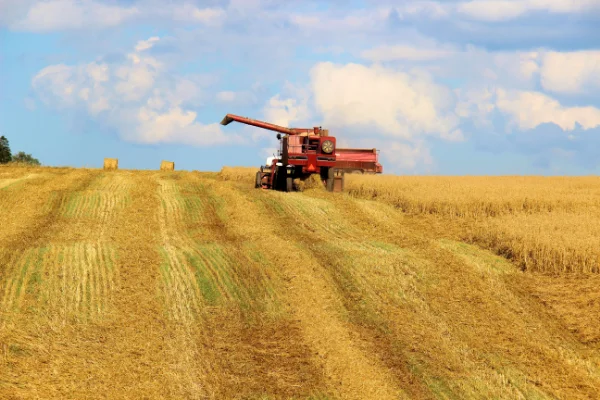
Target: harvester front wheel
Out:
[258,183]
[280,179]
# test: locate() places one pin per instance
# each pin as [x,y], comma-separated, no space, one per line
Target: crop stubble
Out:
[432,318]
[253,351]
[349,370]
[181,285]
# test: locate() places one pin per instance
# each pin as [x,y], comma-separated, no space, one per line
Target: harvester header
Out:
[307,151]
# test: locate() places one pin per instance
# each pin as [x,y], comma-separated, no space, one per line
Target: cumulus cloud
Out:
[500,10]
[405,52]
[566,72]
[56,15]
[476,105]
[139,98]
[407,156]
[400,107]
[191,13]
[466,63]
[493,10]
[52,15]
[395,103]
[528,110]
[571,72]
[363,20]
[289,107]
[70,14]
[372,106]
[438,87]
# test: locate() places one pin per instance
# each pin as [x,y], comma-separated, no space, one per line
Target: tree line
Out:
[6,155]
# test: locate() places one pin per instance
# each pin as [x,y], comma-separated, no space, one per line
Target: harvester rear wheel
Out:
[330,179]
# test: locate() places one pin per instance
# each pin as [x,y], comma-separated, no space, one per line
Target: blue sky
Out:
[440,87]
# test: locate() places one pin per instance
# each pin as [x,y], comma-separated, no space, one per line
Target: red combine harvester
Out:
[307,151]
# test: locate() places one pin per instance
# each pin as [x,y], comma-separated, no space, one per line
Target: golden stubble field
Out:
[190,285]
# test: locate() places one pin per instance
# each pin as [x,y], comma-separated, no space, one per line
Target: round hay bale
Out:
[111,164]
[167,166]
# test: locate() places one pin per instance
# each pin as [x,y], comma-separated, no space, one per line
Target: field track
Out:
[183,285]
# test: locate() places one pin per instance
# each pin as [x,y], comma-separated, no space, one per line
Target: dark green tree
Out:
[5,154]
[21,157]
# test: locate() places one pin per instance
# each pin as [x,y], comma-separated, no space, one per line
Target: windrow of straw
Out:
[313,182]
[542,224]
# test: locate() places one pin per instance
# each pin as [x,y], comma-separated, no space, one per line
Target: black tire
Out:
[275,185]
[330,179]
[258,183]
[280,181]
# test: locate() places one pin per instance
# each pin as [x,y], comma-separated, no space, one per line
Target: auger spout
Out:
[272,127]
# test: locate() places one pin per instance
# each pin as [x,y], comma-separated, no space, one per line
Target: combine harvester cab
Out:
[308,151]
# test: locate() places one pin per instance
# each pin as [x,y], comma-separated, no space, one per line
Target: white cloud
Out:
[423,8]
[175,125]
[289,107]
[476,105]
[521,67]
[190,13]
[137,77]
[406,156]
[364,20]
[398,104]
[531,109]
[405,52]
[56,15]
[11,10]
[70,14]
[576,72]
[493,10]
[500,10]
[146,44]
[139,98]
[471,64]
[373,107]
[51,15]
[571,72]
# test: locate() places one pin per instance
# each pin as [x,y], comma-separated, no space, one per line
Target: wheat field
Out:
[543,224]
[189,285]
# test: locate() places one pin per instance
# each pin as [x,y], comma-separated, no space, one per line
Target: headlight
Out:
[327,146]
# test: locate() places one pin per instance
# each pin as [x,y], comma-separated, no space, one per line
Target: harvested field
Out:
[187,285]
